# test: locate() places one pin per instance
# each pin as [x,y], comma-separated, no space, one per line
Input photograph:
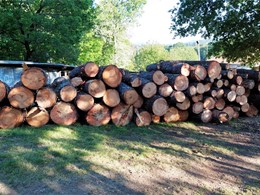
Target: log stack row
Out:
[168,91]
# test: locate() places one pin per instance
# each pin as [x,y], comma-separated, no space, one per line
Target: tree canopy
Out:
[43,30]
[233,25]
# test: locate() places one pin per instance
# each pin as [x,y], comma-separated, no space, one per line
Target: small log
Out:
[227,74]
[241,99]
[142,118]
[132,79]
[84,101]
[46,97]
[191,91]
[21,97]
[156,105]
[197,107]
[4,90]
[172,115]
[95,87]
[200,88]
[139,102]
[178,82]
[87,70]
[157,76]
[64,113]
[176,96]
[226,82]
[220,93]
[112,76]
[37,117]
[253,111]
[230,95]
[10,117]
[207,86]
[198,73]
[147,88]
[220,116]
[111,98]
[218,83]
[184,105]
[206,116]
[230,111]
[127,93]
[233,87]
[98,115]
[237,79]
[220,104]
[76,81]
[214,70]
[34,78]
[245,107]
[197,98]
[184,115]
[209,103]
[165,90]
[122,114]
[240,90]
[156,119]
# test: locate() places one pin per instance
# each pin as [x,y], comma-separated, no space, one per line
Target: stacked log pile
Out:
[168,91]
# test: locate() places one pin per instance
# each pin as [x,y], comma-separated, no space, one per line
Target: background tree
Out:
[114,17]
[180,51]
[233,25]
[43,30]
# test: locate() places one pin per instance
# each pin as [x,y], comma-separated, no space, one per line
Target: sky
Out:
[154,24]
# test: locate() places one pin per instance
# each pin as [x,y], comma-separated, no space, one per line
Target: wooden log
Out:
[206,116]
[112,76]
[220,93]
[165,90]
[230,111]
[112,98]
[172,115]
[10,117]
[84,101]
[142,118]
[147,88]
[21,97]
[127,93]
[95,87]
[230,95]
[197,98]
[241,99]
[76,81]
[139,102]
[157,76]
[172,67]
[156,119]
[220,116]
[237,79]
[98,115]
[227,74]
[46,97]
[184,105]
[132,79]
[245,107]
[209,103]
[214,70]
[248,84]
[191,91]
[156,105]
[218,83]
[176,96]
[34,78]
[240,90]
[253,111]
[198,73]
[122,114]
[87,70]
[184,115]
[4,90]
[197,107]
[200,89]
[207,87]
[37,117]
[178,82]
[64,113]
[255,75]
[226,82]
[220,104]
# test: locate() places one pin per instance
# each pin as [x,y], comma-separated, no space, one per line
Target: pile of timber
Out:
[168,91]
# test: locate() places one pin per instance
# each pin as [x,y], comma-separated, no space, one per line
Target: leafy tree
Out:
[113,19]
[233,25]
[43,30]
[181,52]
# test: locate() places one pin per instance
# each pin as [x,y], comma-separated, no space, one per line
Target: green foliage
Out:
[43,30]
[233,25]
[183,53]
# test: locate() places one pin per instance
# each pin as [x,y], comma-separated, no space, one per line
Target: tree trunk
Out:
[95,87]
[111,98]
[156,105]
[46,97]
[84,101]
[122,114]
[132,79]
[127,93]
[10,117]
[21,97]
[37,117]
[34,78]
[64,113]
[98,115]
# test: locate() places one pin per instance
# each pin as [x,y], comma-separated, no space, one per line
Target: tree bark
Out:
[156,76]
[127,93]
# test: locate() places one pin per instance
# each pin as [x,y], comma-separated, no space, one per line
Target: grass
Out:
[31,156]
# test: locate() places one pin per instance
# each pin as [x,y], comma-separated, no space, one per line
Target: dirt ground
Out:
[186,159]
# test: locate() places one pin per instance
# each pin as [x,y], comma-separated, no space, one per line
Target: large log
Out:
[46,97]
[198,73]
[165,90]
[132,79]
[37,117]
[10,117]
[98,115]
[95,87]
[64,113]
[21,97]
[178,82]
[172,115]
[4,90]
[220,116]
[214,70]
[156,105]
[197,107]
[184,105]
[142,118]
[157,76]
[206,116]
[122,114]
[127,93]
[34,78]
[147,88]
[111,98]
[87,70]
[84,101]
[111,76]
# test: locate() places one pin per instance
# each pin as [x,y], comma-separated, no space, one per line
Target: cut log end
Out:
[3,90]
[21,97]
[95,87]
[46,98]
[84,102]
[149,90]
[68,93]
[34,78]
[143,118]
[181,83]
[37,117]
[214,70]
[112,76]
[76,81]
[111,98]
[172,115]
[90,69]
[98,115]
[10,117]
